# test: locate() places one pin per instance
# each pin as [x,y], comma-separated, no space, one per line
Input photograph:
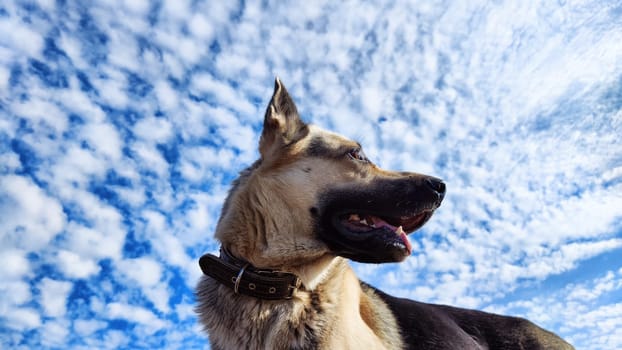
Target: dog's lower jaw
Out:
[335,314]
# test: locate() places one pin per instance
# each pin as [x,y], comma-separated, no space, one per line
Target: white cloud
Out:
[166,244]
[201,27]
[185,311]
[148,274]
[122,48]
[139,7]
[191,50]
[22,319]
[20,37]
[86,327]
[173,63]
[14,264]
[372,99]
[167,97]
[135,196]
[115,339]
[80,103]
[14,293]
[202,162]
[47,4]
[54,333]
[567,219]
[176,9]
[91,242]
[150,158]
[104,138]
[225,95]
[102,236]
[607,284]
[146,271]
[159,295]
[198,217]
[171,248]
[111,88]
[76,167]
[39,111]
[29,217]
[54,296]
[586,321]
[74,266]
[136,314]
[72,48]
[612,174]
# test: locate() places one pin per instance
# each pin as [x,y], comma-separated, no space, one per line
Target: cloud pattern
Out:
[122,124]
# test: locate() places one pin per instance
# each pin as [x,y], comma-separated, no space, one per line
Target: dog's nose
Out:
[438,186]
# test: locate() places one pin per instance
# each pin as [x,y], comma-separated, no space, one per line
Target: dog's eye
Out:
[357,154]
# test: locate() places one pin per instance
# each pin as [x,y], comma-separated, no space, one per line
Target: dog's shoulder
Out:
[431,326]
[422,326]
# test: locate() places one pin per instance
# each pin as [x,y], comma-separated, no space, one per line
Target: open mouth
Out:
[370,223]
[367,222]
[388,232]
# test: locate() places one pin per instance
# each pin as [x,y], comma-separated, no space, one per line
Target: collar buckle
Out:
[236,286]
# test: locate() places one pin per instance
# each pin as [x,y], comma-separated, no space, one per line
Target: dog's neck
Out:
[332,315]
[246,279]
[312,274]
[263,283]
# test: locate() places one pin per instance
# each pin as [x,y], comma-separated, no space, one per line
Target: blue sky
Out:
[122,124]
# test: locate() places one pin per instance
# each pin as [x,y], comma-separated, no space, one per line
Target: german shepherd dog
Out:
[289,224]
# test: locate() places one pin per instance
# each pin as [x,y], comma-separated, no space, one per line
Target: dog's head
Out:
[313,193]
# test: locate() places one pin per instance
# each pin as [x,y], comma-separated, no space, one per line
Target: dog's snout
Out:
[438,186]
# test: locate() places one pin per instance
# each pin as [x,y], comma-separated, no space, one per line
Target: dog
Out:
[287,228]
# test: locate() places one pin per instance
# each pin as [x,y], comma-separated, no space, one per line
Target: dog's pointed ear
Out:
[282,125]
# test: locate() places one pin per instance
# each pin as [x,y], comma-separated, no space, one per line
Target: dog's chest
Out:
[235,321]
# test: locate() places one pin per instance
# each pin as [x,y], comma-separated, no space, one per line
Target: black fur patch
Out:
[319,148]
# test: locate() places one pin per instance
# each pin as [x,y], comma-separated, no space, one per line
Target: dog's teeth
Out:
[399,231]
[364,222]
[372,221]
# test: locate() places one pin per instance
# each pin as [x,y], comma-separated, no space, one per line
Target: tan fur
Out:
[283,189]
[349,318]
[358,325]
[268,221]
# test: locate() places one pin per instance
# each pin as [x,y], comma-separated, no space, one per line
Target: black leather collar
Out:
[245,279]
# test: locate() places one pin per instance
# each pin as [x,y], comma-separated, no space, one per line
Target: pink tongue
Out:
[378,222]
[409,247]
